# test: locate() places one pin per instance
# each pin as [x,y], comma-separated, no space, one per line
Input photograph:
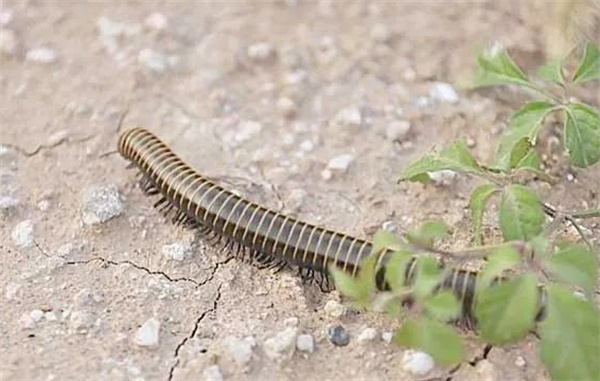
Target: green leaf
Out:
[524,125]
[497,68]
[409,334]
[552,72]
[570,337]
[521,215]
[530,160]
[589,68]
[348,285]
[439,340]
[575,264]
[428,233]
[387,302]
[455,157]
[582,134]
[395,271]
[428,276]
[477,204]
[443,306]
[507,311]
[383,239]
[499,261]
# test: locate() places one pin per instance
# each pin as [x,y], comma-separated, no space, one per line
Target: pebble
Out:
[307,146]
[387,337]
[380,33]
[22,234]
[156,21]
[36,315]
[8,42]
[152,60]
[212,373]
[261,52]
[334,308]
[240,350]
[12,291]
[247,130]
[417,362]
[6,16]
[79,320]
[26,321]
[176,251]
[341,162]
[147,335]
[296,199]
[444,177]
[7,202]
[101,203]
[350,116]
[282,344]
[287,107]
[305,343]
[367,334]
[338,336]
[291,322]
[443,92]
[397,130]
[520,362]
[483,371]
[42,55]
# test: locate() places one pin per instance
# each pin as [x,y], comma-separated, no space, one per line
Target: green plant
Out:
[533,256]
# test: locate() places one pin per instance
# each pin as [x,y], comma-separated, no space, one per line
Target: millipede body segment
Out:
[268,237]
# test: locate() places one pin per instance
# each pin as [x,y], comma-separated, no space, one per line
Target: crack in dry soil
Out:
[193,333]
[41,147]
[473,362]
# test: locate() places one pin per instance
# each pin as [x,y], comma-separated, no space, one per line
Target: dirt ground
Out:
[261,96]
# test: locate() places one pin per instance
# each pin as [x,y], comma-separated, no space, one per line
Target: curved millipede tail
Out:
[263,236]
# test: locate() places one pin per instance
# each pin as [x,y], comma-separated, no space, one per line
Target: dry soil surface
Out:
[312,108]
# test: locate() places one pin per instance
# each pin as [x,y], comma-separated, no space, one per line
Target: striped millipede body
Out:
[268,237]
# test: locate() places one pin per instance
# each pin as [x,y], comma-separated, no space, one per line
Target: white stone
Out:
[367,334]
[307,146]
[520,362]
[305,343]
[240,350]
[261,52]
[156,21]
[444,92]
[380,33]
[212,373]
[147,335]
[397,130]
[50,316]
[79,320]
[281,345]
[36,315]
[326,174]
[152,60]
[8,42]
[334,308]
[340,162]
[444,177]
[287,107]
[247,130]
[26,321]
[12,291]
[101,203]
[350,116]
[417,362]
[22,234]
[291,322]
[176,251]
[42,55]
[7,202]
[387,337]
[6,16]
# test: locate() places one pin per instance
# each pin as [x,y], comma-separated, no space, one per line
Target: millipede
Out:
[257,234]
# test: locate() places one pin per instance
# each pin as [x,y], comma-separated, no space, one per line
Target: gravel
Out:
[101,203]
[261,52]
[397,130]
[340,163]
[350,116]
[443,92]
[338,336]
[287,107]
[281,345]
[367,334]
[417,362]
[305,343]
[80,320]
[387,337]
[147,335]
[212,373]
[8,42]
[153,60]
[8,202]
[177,251]
[42,55]
[334,308]
[156,21]
[240,350]
[22,234]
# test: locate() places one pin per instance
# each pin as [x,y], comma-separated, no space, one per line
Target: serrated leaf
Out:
[497,68]
[507,311]
[570,337]
[428,233]
[395,271]
[456,157]
[477,204]
[428,276]
[521,215]
[574,264]
[552,72]
[443,306]
[582,134]
[499,261]
[525,124]
[383,239]
[442,342]
[589,68]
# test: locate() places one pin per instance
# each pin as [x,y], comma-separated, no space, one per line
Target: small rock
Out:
[147,335]
[444,177]
[176,251]
[390,226]
[26,321]
[212,373]
[156,21]
[101,203]
[350,116]
[307,146]
[397,130]
[387,337]
[152,60]
[305,343]
[380,33]
[50,316]
[42,55]
[520,362]
[240,351]
[338,336]
[444,92]
[334,308]
[326,174]
[291,322]
[80,320]
[247,130]
[296,199]
[287,107]
[36,315]
[8,42]
[6,16]
[341,162]
[12,291]
[22,234]
[58,137]
[7,202]
[261,52]
[281,345]
[417,363]
[367,334]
